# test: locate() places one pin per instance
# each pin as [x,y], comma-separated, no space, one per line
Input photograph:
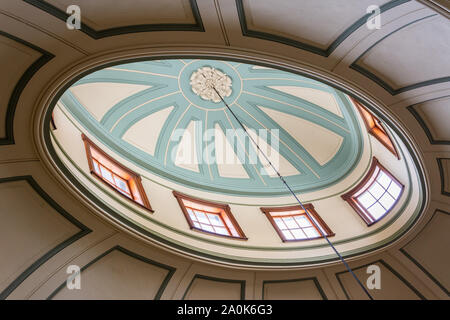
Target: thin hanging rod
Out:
[295,196]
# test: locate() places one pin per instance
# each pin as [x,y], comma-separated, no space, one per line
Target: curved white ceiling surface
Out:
[164,120]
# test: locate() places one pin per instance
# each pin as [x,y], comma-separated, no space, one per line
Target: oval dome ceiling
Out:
[148,112]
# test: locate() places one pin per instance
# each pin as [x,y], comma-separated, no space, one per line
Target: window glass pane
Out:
[221,230]
[191,214]
[290,222]
[215,219]
[394,190]
[287,234]
[298,234]
[280,223]
[387,201]
[207,227]
[122,184]
[376,190]
[124,193]
[201,217]
[377,211]
[96,168]
[197,225]
[106,174]
[384,179]
[311,232]
[366,199]
[302,221]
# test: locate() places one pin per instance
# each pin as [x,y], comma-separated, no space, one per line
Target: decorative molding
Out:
[20,86]
[314,279]
[35,265]
[208,176]
[349,196]
[206,80]
[305,46]
[387,266]
[205,254]
[423,124]
[171,270]
[199,276]
[99,34]
[442,175]
[383,83]
[421,267]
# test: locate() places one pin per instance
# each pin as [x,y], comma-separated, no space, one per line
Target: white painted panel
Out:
[314,22]
[271,151]
[186,151]
[436,115]
[29,228]
[320,142]
[117,276]
[393,285]
[294,290]
[322,99]
[144,133]
[100,14]
[228,163]
[411,55]
[23,57]
[203,289]
[99,97]
[430,248]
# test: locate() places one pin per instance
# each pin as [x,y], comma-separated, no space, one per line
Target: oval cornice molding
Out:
[54,90]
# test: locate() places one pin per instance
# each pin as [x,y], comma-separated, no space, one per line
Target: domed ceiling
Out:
[163,116]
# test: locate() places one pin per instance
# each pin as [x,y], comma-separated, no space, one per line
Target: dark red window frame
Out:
[376,128]
[223,210]
[134,192]
[351,196]
[271,214]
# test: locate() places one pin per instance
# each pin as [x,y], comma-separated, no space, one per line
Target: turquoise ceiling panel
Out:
[170,85]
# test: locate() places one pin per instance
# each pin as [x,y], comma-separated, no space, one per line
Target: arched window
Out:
[293,224]
[375,128]
[209,217]
[376,194]
[121,179]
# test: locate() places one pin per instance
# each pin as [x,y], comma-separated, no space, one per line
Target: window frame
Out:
[360,188]
[378,125]
[134,177]
[226,210]
[268,211]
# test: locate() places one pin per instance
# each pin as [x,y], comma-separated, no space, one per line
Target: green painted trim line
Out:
[387,266]
[99,34]
[442,176]
[193,236]
[171,270]
[329,257]
[314,279]
[343,162]
[305,46]
[214,255]
[199,276]
[20,86]
[383,83]
[423,124]
[213,200]
[77,126]
[421,267]
[150,219]
[47,256]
